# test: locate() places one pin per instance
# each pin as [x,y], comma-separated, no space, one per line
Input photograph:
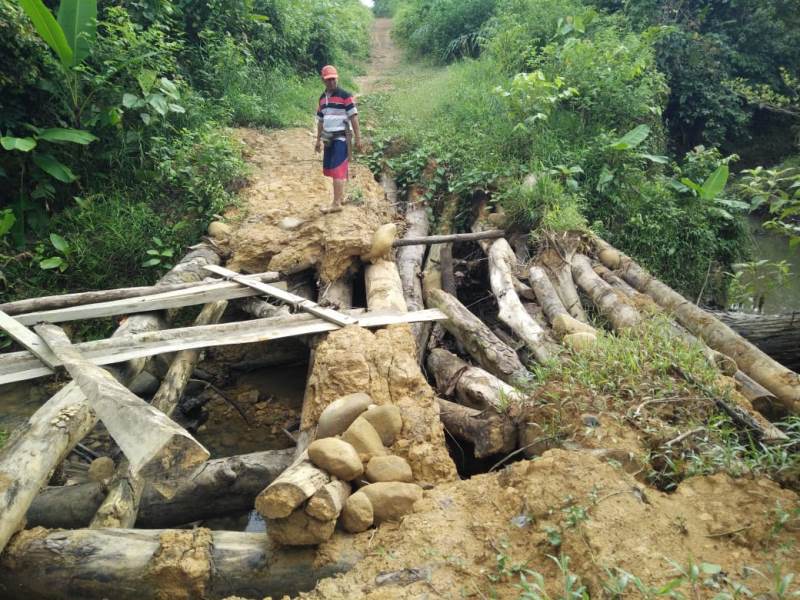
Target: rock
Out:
[389,468]
[219,230]
[382,241]
[337,457]
[101,469]
[391,500]
[300,529]
[363,437]
[341,413]
[579,341]
[590,420]
[144,384]
[387,422]
[357,515]
[290,223]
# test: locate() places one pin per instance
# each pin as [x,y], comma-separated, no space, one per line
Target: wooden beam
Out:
[453,237]
[32,342]
[155,446]
[22,366]
[303,304]
[187,296]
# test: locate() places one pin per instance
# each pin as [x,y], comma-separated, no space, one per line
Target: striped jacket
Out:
[334,112]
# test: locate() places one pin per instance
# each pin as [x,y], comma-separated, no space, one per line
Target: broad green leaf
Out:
[53,167]
[169,253]
[59,134]
[158,102]
[151,262]
[715,183]
[632,139]
[656,158]
[7,220]
[606,177]
[49,29]
[146,79]
[734,204]
[131,101]
[177,108]
[691,185]
[153,253]
[169,88]
[14,143]
[145,118]
[60,243]
[78,20]
[51,263]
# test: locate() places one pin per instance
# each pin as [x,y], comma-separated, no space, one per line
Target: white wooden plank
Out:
[22,366]
[34,344]
[303,304]
[201,294]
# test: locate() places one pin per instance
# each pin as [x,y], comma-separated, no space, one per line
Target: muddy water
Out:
[774,247]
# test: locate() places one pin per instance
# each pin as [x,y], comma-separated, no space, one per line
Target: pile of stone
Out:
[304,504]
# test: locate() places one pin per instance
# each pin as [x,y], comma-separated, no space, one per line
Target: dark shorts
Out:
[335,159]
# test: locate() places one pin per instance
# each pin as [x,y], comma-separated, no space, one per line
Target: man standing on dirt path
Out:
[336,115]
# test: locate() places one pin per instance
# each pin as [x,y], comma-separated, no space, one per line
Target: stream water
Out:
[774,247]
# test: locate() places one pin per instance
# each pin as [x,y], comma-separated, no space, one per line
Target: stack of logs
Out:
[303,505]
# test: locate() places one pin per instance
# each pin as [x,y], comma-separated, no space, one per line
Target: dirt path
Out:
[384,60]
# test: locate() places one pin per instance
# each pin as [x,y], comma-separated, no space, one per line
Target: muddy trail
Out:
[506,417]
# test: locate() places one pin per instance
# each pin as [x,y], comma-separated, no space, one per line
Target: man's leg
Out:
[338,192]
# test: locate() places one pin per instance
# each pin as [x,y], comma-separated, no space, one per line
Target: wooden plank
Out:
[303,304]
[197,294]
[32,342]
[445,239]
[22,366]
[156,447]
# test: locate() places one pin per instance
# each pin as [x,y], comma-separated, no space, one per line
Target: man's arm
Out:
[356,132]
[318,143]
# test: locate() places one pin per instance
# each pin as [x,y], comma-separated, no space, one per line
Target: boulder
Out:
[357,514]
[382,241]
[388,468]
[387,422]
[219,230]
[363,437]
[101,469]
[337,457]
[340,413]
[391,500]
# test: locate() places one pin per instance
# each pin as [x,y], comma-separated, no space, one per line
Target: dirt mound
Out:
[283,228]
[479,538]
[383,364]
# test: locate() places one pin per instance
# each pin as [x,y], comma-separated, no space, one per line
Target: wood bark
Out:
[563,323]
[328,501]
[779,380]
[384,288]
[501,264]
[478,340]
[121,505]
[473,386]
[131,564]
[409,264]
[260,308]
[294,486]
[220,487]
[556,257]
[453,238]
[775,335]
[612,306]
[490,432]
[759,396]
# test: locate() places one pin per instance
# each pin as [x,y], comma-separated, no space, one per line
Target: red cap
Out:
[329,72]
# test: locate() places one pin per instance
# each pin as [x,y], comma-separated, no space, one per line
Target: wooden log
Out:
[775,335]
[21,366]
[384,288]
[221,486]
[131,564]
[294,486]
[121,505]
[473,386]
[409,265]
[483,345]
[563,323]
[28,340]
[779,380]
[260,308]
[186,295]
[556,257]
[155,446]
[756,394]
[328,501]
[475,236]
[490,432]
[501,264]
[611,305]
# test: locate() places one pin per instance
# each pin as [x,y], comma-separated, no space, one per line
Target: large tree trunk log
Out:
[384,288]
[472,386]
[294,486]
[131,564]
[611,305]
[409,264]
[490,432]
[121,505]
[155,446]
[29,458]
[563,323]
[220,487]
[483,345]
[775,335]
[779,380]
[556,257]
[452,238]
[327,502]
[501,264]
